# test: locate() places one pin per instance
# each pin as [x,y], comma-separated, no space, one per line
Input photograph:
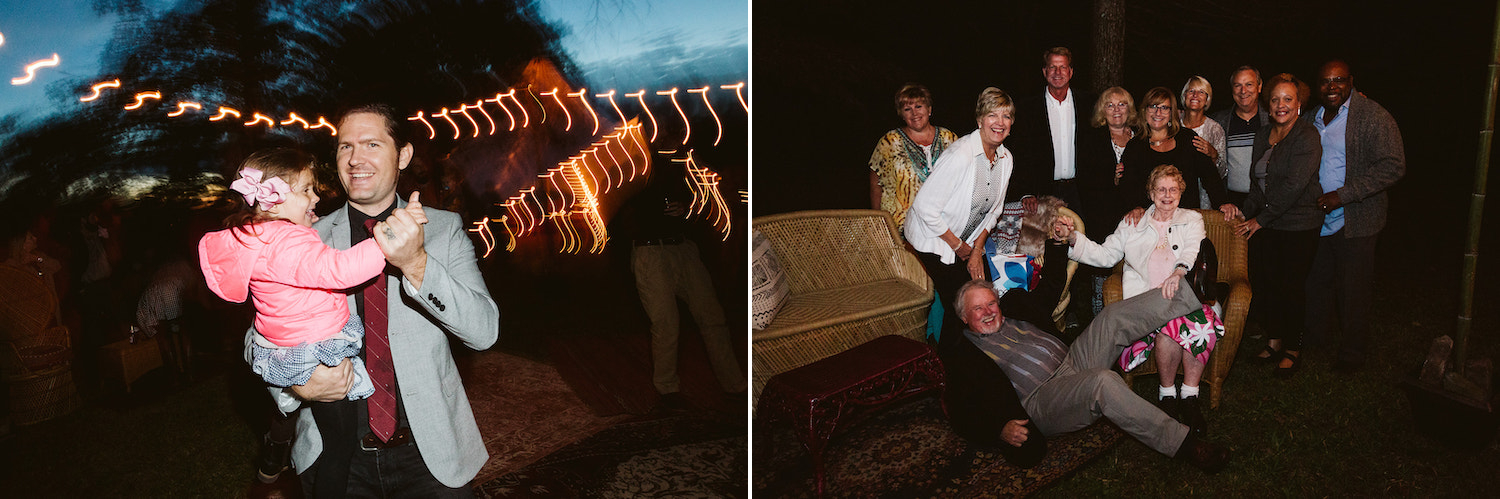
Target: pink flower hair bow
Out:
[269,193]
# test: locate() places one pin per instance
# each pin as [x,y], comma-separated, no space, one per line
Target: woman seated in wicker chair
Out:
[1158,251]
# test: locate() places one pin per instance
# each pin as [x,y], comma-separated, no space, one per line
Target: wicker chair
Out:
[36,359]
[1233,269]
[852,280]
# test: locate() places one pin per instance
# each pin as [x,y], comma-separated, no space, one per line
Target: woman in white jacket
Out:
[954,210]
[1158,251]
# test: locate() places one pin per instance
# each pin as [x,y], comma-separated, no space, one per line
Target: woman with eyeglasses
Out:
[1284,220]
[1158,252]
[1161,140]
[1099,171]
[1197,95]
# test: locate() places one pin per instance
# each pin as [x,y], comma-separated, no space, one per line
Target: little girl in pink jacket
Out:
[271,253]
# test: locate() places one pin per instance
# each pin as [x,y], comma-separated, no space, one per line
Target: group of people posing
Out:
[1304,184]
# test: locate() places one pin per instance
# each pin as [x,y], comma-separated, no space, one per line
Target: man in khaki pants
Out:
[667,267]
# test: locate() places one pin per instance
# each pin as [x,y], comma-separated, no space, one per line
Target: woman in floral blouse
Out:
[904,156]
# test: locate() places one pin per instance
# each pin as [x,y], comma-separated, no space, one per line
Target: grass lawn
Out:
[1321,433]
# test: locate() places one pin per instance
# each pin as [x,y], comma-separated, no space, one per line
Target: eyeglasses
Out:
[1112,105]
[1337,79]
[1166,190]
[1158,107]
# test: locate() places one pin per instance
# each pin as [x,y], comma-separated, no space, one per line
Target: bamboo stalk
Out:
[1476,206]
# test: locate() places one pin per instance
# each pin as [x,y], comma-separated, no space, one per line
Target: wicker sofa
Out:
[851,280]
[1233,269]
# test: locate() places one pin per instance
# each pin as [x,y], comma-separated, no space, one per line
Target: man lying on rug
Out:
[1058,391]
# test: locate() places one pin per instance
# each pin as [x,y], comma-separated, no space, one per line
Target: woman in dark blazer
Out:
[1284,219]
[1162,140]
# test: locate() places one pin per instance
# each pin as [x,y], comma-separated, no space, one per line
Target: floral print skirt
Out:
[1197,332]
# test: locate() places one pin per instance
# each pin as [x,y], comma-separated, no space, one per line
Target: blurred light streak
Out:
[608,180]
[579,95]
[2,39]
[605,145]
[616,137]
[672,94]
[538,103]
[479,104]
[525,116]
[611,96]
[431,132]
[559,101]
[641,96]
[705,186]
[444,115]
[744,196]
[293,118]
[738,93]
[182,107]
[464,110]
[497,100]
[32,68]
[482,227]
[322,122]
[140,100]
[257,118]
[636,137]
[223,112]
[98,88]
[710,107]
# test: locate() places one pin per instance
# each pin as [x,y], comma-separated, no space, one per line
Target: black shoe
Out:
[1203,455]
[1193,416]
[1171,406]
[1273,356]
[1288,372]
[275,458]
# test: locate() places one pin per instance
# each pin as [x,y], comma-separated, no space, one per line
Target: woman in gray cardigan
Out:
[1284,220]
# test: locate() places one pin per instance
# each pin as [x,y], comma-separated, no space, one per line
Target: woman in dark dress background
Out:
[1161,140]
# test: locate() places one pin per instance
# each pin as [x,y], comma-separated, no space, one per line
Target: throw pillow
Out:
[769,287]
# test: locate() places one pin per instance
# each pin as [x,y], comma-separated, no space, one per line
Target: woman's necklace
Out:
[1156,143]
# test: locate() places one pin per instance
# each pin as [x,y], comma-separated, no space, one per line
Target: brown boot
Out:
[1202,455]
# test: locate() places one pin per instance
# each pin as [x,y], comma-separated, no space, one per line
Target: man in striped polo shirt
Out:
[1065,390]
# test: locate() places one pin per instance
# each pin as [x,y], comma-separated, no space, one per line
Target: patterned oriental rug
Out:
[910,451]
[524,409]
[696,454]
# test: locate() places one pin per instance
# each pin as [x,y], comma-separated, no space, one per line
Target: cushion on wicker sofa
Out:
[768,284]
[823,308]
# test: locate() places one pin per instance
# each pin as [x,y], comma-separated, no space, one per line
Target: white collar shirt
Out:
[1063,123]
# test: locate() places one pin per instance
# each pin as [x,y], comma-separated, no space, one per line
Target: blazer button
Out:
[1174,246]
[441,308]
[430,297]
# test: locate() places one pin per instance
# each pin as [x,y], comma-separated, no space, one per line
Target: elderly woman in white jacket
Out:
[954,210]
[1158,251]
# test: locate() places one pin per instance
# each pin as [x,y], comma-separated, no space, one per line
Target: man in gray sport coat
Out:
[1363,157]
[434,290]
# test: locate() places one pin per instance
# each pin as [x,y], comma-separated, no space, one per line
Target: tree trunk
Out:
[1109,44]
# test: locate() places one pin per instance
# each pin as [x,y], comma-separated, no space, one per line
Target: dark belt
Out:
[658,242]
[1066,180]
[372,442]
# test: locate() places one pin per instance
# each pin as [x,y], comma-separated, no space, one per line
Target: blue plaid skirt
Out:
[287,366]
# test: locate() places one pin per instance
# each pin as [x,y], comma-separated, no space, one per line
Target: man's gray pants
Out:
[1084,388]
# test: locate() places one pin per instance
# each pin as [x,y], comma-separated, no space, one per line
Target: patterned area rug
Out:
[524,409]
[910,451]
[699,454]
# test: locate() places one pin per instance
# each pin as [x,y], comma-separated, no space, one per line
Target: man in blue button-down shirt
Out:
[1362,158]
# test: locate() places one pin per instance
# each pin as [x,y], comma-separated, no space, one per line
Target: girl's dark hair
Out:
[282,162]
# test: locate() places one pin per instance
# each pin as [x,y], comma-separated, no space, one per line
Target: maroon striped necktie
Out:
[378,355]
